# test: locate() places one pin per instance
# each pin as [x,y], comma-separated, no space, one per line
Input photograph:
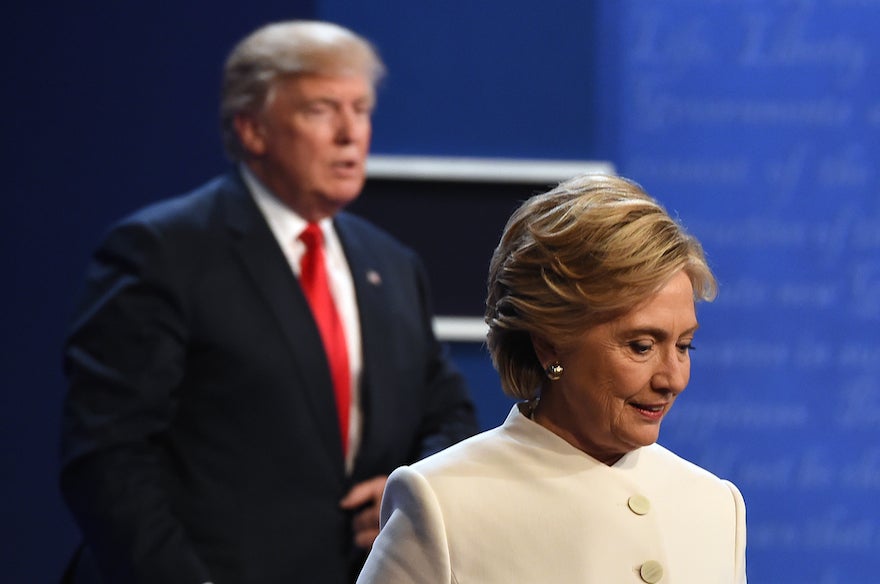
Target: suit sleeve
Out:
[124,360]
[412,545]
[449,413]
[740,537]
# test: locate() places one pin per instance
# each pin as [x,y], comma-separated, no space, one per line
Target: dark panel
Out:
[454,226]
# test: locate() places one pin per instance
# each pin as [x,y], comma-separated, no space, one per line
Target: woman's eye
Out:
[685,347]
[641,347]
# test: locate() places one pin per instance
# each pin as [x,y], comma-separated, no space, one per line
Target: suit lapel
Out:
[256,247]
[377,380]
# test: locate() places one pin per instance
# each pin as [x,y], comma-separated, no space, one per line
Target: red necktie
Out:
[314,282]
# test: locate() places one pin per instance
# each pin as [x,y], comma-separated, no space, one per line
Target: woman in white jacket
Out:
[591,321]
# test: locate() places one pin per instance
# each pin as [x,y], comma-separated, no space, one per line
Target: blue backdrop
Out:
[756,122]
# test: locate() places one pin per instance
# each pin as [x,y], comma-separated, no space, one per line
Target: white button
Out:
[651,572]
[639,504]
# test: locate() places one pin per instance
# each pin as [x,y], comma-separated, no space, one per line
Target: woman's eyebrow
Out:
[658,333]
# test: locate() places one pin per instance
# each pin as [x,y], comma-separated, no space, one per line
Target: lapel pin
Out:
[374,278]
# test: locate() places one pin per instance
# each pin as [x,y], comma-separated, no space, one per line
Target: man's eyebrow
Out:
[335,102]
[320,99]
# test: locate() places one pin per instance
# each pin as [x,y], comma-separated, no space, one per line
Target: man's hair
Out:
[581,254]
[283,49]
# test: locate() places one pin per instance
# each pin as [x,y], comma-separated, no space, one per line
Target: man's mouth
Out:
[346,167]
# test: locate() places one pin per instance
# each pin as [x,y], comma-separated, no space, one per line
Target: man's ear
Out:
[250,133]
[544,349]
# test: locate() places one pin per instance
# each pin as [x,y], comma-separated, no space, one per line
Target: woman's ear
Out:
[544,349]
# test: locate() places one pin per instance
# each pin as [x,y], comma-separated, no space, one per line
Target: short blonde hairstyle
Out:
[283,49]
[581,254]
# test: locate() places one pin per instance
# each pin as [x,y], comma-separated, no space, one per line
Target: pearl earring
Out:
[554,371]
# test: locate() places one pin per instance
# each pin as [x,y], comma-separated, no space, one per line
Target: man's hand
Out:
[364,498]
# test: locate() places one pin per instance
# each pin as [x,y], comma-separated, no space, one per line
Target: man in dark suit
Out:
[222,424]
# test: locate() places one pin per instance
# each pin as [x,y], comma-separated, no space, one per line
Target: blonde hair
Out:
[583,253]
[282,49]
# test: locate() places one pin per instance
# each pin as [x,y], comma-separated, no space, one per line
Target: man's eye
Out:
[318,109]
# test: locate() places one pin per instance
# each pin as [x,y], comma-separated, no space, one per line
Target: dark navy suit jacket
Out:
[199,438]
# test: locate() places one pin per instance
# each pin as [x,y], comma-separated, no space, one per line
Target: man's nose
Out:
[351,126]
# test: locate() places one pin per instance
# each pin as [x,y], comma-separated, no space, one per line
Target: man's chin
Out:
[346,191]
[340,198]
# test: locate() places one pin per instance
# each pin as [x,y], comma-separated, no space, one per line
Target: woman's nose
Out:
[673,373]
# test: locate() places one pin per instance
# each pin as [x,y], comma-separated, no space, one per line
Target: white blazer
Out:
[518,504]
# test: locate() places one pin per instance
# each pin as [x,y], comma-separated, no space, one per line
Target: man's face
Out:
[309,143]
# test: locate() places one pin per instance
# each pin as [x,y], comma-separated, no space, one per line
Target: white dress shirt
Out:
[287,226]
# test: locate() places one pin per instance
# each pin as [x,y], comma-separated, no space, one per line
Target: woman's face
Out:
[621,377]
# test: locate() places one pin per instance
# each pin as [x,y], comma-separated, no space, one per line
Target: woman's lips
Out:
[653,412]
